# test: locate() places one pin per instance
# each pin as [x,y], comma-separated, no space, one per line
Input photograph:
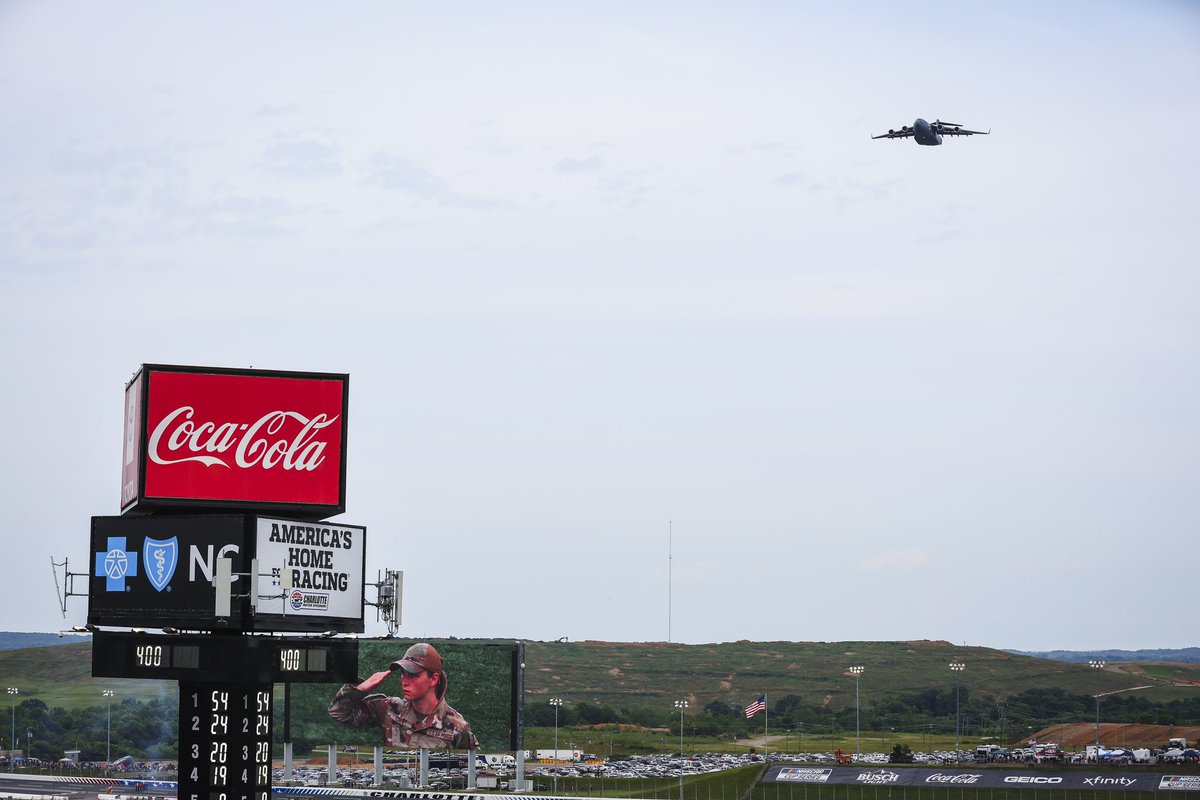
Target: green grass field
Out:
[61,677]
[612,743]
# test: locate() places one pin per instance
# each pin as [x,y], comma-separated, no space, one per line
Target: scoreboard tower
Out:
[227,478]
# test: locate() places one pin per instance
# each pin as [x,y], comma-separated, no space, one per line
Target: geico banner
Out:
[309,569]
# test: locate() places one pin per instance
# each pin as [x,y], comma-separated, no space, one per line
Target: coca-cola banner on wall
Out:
[200,437]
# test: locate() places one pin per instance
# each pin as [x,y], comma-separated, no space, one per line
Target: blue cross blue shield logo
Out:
[116,565]
[159,558]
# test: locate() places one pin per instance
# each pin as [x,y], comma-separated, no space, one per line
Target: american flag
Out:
[758,705]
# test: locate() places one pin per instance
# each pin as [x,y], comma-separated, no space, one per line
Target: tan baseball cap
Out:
[419,658]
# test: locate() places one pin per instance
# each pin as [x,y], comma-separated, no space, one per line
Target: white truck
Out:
[558,755]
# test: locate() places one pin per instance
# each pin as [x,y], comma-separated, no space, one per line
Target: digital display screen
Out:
[266,659]
[483,684]
[224,741]
[303,659]
[185,657]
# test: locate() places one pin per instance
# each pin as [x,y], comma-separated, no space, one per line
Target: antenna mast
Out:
[389,592]
[67,587]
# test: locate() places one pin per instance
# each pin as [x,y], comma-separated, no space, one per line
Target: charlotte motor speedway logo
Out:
[1180,783]
[312,601]
[804,774]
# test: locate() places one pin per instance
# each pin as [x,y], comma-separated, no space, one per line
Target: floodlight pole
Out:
[1097,665]
[108,695]
[556,702]
[957,667]
[857,671]
[12,756]
[681,705]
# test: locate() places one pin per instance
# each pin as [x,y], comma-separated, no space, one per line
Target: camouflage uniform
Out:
[402,725]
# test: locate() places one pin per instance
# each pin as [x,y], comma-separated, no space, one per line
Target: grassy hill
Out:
[737,672]
[11,640]
[656,673]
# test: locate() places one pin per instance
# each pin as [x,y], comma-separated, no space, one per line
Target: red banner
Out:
[240,438]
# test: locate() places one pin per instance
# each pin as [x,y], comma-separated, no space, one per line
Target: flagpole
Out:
[766,716]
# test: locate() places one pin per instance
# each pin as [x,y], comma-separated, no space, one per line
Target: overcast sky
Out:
[646,337]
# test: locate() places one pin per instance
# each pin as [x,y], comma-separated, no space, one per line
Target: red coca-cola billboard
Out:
[202,437]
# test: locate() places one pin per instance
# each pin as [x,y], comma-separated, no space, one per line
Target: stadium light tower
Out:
[556,702]
[12,743]
[681,705]
[957,667]
[857,672]
[1096,664]
[107,694]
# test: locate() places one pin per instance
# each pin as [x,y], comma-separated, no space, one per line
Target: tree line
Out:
[145,730]
[932,710]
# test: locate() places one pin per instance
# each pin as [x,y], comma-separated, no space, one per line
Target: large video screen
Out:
[479,704]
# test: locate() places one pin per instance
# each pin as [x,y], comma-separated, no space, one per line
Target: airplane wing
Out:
[954,129]
[904,132]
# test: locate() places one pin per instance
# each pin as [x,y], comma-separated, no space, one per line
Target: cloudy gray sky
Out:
[622,281]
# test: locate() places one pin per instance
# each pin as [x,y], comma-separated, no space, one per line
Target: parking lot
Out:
[631,767]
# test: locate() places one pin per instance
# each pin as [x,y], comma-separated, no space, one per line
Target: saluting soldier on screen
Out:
[421,718]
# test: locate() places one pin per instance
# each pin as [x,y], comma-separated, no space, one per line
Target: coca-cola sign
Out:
[235,438]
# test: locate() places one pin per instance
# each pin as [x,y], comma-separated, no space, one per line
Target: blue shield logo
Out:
[159,558]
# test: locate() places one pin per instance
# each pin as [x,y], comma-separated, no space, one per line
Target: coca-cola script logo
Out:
[244,438]
[963,777]
[266,442]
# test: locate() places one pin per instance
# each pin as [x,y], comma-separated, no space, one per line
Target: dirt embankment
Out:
[1076,735]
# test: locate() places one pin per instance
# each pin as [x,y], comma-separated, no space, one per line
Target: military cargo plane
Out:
[929,133]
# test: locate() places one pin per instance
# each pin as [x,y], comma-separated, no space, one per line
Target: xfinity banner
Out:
[315,569]
[992,778]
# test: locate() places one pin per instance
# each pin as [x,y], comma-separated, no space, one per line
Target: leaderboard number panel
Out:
[224,741]
[235,659]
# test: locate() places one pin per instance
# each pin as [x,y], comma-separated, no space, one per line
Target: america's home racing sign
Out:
[315,568]
[992,777]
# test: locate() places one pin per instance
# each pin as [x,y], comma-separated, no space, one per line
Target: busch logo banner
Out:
[198,437]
